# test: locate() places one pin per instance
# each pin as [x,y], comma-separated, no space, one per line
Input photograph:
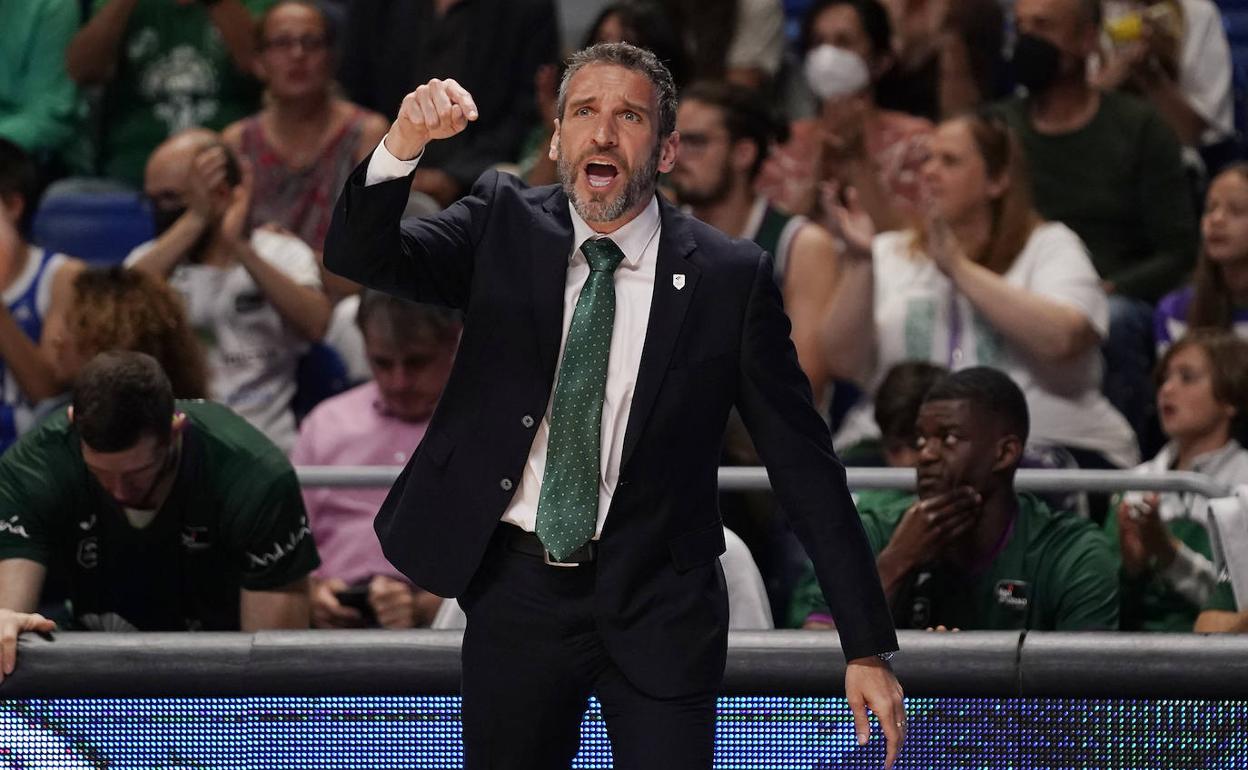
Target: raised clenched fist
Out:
[438,109]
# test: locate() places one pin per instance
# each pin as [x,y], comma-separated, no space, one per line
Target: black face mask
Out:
[1036,63]
[163,218]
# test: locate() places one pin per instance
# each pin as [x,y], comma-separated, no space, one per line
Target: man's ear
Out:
[1009,453]
[668,147]
[69,412]
[14,207]
[553,152]
[744,154]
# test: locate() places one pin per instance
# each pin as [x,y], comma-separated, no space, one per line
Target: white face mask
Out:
[834,73]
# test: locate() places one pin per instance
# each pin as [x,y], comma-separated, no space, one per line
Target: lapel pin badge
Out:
[678,280]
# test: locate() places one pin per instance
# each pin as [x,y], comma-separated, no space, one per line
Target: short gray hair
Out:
[632,58]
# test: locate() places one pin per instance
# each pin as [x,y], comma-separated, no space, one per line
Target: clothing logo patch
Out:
[195,538]
[89,553]
[1013,594]
[279,549]
[11,526]
[678,280]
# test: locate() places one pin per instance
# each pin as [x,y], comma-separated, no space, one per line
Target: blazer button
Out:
[506,484]
[527,421]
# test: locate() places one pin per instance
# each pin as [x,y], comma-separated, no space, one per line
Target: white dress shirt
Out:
[634,286]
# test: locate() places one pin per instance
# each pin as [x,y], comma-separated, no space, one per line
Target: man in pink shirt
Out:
[410,349]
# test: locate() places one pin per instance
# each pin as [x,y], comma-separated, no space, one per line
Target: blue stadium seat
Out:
[96,223]
[321,374]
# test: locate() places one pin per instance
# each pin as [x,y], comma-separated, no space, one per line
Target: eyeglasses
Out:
[309,44]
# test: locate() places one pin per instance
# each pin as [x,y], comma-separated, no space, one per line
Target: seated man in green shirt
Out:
[970,552]
[158,515]
[897,403]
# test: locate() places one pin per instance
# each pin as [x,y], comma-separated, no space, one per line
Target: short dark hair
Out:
[632,58]
[746,115]
[406,320]
[119,398]
[900,395]
[19,176]
[989,391]
[872,14]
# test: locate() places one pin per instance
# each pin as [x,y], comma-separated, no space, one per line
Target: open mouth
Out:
[599,174]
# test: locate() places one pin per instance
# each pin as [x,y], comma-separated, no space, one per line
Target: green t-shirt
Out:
[1148,602]
[38,101]
[1056,573]
[807,597]
[233,519]
[1119,183]
[173,72]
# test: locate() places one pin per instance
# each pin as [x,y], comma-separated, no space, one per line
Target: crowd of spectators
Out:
[1005,231]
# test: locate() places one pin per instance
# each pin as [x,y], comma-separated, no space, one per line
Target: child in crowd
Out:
[1218,294]
[1167,568]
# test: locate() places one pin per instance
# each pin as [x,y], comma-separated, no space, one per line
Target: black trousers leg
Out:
[528,654]
[649,733]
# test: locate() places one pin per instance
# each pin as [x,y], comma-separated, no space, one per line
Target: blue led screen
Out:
[754,732]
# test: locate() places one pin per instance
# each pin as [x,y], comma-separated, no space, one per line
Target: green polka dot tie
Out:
[567,506]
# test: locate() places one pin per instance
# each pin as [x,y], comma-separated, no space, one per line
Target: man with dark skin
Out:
[972,553]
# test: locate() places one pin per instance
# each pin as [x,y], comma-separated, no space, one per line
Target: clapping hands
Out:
[847,220]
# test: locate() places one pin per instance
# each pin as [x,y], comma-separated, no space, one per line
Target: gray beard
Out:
[640,186]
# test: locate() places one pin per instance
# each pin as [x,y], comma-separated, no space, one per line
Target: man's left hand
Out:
[870,684]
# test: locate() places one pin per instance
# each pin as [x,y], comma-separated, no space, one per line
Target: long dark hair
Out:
[1212,303]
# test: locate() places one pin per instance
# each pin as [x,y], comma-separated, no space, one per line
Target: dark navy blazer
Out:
[501,255]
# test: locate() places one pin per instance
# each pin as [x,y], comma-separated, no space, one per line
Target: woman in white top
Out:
[983,281]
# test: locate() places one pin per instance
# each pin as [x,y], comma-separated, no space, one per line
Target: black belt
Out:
[528,543]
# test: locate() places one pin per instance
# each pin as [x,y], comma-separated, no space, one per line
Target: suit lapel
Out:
[671,298]
[550,244]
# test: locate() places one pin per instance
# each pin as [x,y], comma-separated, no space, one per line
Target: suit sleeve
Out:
[809,482]
[427,259]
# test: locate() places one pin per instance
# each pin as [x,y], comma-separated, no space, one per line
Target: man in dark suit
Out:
[566,488]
